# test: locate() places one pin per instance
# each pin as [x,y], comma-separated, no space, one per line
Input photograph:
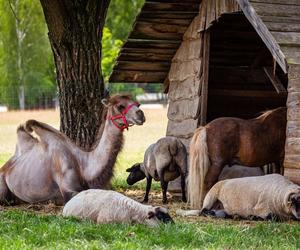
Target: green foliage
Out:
[121,15]
[25,54]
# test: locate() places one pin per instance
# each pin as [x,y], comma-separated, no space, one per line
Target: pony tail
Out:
[199,164]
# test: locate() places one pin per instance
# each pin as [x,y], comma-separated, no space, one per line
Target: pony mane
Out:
[264,115]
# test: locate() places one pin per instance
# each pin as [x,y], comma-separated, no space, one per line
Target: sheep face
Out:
[136,174]
[295,205]
[160,214]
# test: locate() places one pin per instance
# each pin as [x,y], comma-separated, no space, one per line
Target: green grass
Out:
[20,230]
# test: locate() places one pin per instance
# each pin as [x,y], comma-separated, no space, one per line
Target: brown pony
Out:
[229,141]
[52,167]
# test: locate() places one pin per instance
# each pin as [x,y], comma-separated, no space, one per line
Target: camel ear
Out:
[105,102]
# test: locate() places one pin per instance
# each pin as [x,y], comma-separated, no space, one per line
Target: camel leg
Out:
[5,194]
[149,181]
[70,184]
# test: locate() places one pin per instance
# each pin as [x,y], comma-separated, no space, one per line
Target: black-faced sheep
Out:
[254,197]
[164,161]
[106,206]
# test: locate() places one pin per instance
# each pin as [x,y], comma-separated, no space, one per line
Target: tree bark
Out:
[75,33]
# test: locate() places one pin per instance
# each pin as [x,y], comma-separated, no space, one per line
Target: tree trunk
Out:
[75,33]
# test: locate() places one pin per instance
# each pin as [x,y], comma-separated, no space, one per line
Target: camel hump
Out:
[31,124]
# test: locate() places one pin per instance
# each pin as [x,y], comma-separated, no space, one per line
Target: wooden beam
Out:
[264,33]
[246,93]
[205,76]
[275,80]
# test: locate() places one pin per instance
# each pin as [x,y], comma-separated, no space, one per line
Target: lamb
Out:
[260,197]
[164,161]
[106,206]
[238,171]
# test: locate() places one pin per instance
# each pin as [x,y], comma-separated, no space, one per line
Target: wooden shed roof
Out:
[160,26]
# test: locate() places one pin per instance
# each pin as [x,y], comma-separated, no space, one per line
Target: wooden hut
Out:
[219,58]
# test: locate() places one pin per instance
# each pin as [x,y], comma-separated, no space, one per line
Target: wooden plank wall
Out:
[292,147]
[188,73]
[282,19]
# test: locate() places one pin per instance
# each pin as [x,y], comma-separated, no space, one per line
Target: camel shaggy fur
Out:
[164,161]
[106,206]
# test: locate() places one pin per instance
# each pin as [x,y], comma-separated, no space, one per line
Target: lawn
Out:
[31,227]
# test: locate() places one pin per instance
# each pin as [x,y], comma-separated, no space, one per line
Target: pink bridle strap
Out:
[124,124]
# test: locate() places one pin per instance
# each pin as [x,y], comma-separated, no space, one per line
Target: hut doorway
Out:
[243,77]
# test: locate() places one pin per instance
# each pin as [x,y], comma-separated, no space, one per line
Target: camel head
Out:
[123,111]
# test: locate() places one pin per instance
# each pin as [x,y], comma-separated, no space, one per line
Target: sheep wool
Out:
[106,206]
[259,196]
[238,171]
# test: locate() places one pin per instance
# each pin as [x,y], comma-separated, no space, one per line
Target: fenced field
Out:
[41,226]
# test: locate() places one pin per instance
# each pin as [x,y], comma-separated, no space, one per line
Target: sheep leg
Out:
[149,181]
[164,186]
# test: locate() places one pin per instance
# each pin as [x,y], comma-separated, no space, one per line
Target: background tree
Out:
[75,34]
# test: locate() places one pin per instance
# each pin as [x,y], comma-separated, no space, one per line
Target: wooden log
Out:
[283,26]
[285,2]
[270,9]
[287,38]
[292,54]
[292,146]
[163,51]
[167,15]
[275,81]
[142,66]
[184,109]
[189,88]
[190,7]
[151,44]
[145,57]
[264,33]
[137,76]
[183,129]
[204,78]
[148,30]
[292,174]
[181,71]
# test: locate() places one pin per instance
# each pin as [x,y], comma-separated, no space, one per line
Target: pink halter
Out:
[121,116]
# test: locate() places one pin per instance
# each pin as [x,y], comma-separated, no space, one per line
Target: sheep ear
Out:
[151,215]
[128,169]
[105,102]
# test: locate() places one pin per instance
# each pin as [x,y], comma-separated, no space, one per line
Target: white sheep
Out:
[254,197]
[106,206]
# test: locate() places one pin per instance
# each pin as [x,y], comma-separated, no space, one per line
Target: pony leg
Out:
[149,181]
[183,187]
[212,176]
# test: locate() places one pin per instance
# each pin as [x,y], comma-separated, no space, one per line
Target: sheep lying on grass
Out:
[259,197]
[106,206]
[238,171]
[164,161]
